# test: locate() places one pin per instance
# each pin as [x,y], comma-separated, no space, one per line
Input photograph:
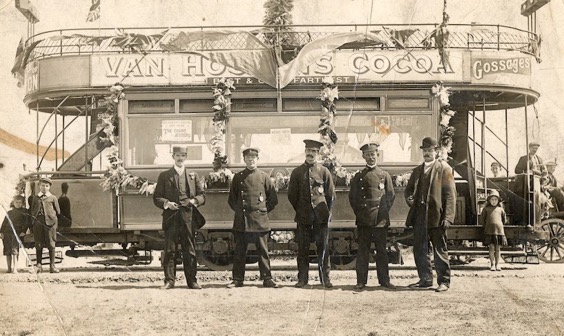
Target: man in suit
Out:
[44,210]
[252,196]
[179,193]
[550,186]
[311,193]
[371,197]
[431,196]
[530,164]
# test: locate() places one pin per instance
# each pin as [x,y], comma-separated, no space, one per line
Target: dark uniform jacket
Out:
[252,196]
[440,199]
[371,197]
[310,190]
[167,190]
[521,170]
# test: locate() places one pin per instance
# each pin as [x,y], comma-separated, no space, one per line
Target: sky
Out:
[548,76]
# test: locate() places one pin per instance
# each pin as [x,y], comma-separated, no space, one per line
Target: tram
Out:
[384,73]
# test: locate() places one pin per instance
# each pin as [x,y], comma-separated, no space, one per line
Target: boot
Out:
[52,268]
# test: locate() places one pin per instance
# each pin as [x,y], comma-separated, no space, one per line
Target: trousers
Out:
[178,231]
[367,235]
[305,235]
[242,240]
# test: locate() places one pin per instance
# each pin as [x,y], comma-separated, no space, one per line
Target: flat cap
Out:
[550,163]
[534,144]
[313,143]
[46,180]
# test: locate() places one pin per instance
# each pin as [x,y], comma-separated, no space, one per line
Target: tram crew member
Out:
[179,193]
[252,196]
[44,210]
[13,227]
[431,196]
[371,197]
[311,193]
[535,167]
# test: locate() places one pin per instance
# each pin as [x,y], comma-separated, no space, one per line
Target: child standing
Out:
[44,211]
[14,225]
[493,217]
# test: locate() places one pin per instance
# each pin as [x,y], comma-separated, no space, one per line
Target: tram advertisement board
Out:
[345,65]
[509,68]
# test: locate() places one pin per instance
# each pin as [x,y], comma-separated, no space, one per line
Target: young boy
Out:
[44,211]
[13,226]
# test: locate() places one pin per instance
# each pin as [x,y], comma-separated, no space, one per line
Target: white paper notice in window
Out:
[280,135]
[176,130]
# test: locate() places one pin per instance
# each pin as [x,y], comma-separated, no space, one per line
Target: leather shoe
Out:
[270,284]
[442,288]
[359,286]
[194,285]
[300,284]
[421,284]
[53,269]
[328,284]
[389,285]
[235,283]
[167,285]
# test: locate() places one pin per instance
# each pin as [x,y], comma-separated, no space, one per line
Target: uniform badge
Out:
[261,199]
[320,189]
[381,186]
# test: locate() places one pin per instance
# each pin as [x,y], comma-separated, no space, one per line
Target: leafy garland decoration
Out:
[221,95]
[330,92]
[447,132]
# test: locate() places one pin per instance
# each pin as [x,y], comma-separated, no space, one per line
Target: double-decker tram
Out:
[384,80]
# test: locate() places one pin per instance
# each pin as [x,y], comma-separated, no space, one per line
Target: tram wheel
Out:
[343,262]
[215,262]
[552,250]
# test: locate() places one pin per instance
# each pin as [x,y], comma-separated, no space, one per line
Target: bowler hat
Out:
[493,193]
[369,147]
[429,142]
[179,149]
[46,180]
[313,144]
[251,151]
[534,144]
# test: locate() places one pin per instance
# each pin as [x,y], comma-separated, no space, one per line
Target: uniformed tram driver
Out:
[252,196]
[311,193]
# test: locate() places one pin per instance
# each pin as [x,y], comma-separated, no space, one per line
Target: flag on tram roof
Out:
[94,12]
[17,69]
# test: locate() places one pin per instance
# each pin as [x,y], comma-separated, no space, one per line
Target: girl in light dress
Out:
[492,218]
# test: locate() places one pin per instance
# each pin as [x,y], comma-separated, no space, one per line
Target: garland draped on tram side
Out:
[447,132]
[222,96]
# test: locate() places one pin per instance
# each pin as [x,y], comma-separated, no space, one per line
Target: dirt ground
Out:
[89,298]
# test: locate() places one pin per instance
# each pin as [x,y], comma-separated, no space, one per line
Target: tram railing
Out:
[392,36]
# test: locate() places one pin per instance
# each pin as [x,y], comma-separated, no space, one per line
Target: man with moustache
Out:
[530,164]
[371,197]
[311,193]
[431,196]
[252,196]
[179,193]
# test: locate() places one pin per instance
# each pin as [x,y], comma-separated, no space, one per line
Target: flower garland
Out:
[447,132]
[222,100]
[108,119]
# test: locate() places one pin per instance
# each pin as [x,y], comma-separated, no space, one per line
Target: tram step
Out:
[485,251]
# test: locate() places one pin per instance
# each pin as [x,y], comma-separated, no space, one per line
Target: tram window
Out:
[150,139]
[343,104]
[281,136]
[150,106]
[195,105]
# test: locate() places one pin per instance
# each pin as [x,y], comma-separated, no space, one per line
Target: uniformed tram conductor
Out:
[179,193]
[311,193]
[252,196]
[371,197]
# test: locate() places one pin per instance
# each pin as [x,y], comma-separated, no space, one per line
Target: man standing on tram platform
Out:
[311,193]
[532,164]
[431,196]
[179,193]
[371,197]
[252,196]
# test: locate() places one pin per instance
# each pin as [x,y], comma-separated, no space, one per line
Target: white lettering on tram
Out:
[403,64]
[118,66]
[485,66]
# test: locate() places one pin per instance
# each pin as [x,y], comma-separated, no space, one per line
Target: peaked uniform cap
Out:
[250,151]
[369,147]
[313,144]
